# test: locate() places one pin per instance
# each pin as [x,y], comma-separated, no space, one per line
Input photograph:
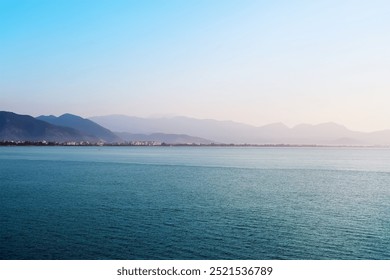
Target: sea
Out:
[194,203]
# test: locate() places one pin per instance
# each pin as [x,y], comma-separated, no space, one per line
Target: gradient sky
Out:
[255,62]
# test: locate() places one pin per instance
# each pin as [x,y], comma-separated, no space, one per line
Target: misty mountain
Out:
[238,133]
[86,126]
[164,138]
[219,131]
[14,127]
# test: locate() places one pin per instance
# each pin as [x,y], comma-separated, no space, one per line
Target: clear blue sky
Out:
[250,61]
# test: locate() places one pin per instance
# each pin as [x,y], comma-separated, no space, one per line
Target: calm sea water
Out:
[194,203]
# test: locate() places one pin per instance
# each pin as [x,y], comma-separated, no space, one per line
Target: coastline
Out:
[159,144]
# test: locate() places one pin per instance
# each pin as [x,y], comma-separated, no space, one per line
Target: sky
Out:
[255,62]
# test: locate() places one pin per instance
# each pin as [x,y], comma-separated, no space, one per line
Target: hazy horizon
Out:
[157,116]
[252,62]
[170,116]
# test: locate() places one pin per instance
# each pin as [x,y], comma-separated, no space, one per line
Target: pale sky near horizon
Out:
[255,62]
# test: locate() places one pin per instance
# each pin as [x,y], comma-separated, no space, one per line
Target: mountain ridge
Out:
[84,125]
[327,133]
[15,127]
[178,130]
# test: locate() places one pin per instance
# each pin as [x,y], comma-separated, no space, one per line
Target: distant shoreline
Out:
[156,144]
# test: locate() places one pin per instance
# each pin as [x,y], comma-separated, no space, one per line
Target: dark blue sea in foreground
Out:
[194,203]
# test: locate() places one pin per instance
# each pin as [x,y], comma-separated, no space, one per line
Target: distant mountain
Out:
[238,133]
[84,125]
[14,127]
[177,130]
[220,131]
[164,138]
[325,133]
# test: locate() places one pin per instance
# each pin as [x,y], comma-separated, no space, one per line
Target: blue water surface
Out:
[194,203]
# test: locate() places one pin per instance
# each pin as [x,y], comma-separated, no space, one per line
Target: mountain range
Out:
[177,130]
[14,127]
[87,127]
[72,128]
[238,133]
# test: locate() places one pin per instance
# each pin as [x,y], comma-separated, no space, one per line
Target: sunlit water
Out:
[194,203]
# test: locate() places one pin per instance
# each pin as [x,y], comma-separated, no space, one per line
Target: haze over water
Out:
[194,203]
